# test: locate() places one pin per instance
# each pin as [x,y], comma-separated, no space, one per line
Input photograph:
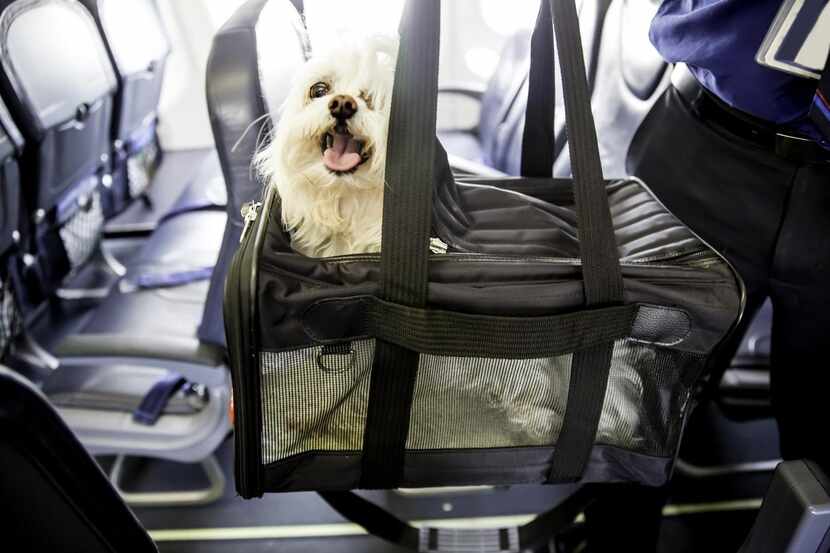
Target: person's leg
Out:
[801,320]
[733,197]
[626,518]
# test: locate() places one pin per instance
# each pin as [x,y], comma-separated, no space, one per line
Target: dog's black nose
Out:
[343,107]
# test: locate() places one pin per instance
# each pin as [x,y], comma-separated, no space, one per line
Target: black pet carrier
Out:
[518,330]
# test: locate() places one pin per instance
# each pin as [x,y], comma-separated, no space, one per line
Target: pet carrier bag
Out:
[519,330]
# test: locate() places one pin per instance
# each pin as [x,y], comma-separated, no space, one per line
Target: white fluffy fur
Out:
[329,214]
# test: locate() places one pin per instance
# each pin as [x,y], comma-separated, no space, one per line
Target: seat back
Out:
[253,58]
[56,498]
[11,143]
[58,84]
[138,48]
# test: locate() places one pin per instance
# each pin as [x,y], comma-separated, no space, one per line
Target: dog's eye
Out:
[318,90]
[366,97]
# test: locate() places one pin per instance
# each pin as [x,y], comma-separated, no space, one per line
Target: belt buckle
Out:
[800,149]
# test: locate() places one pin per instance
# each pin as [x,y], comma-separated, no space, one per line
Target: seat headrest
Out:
[280,54]
[253,59]
[53,59]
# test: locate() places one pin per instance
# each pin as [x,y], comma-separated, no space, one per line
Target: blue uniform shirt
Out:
[718,40]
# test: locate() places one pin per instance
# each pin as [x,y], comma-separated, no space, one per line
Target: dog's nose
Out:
[343,107]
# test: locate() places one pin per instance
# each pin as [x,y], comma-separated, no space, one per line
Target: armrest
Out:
[465,167]
[196,361]
[469,90]
[795,516]
[466,89]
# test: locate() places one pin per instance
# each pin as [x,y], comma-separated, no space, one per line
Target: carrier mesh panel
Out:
[9,317]
[316,400]
[80,235]
[140,170]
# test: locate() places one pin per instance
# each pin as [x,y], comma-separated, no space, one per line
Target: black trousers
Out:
[771,219]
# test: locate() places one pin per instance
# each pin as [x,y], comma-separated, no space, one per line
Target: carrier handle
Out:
[536,533]
[539,134]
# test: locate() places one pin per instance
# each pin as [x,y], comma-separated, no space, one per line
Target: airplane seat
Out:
[139,47]
[626,76]
[263,41]
[630,78]
[11,143]
[497,140]
[55,496]
[476,144]
[144,328]
[58,84]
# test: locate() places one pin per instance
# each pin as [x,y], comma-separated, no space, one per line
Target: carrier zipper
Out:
[697,258]
[250,212]
[243,350]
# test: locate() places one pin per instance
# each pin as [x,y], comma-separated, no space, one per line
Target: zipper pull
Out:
[250,212]
[436,245]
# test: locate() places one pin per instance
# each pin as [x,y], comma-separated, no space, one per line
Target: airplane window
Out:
[481,61]
[136,35]
[220,10]
[364,17]
[507,18]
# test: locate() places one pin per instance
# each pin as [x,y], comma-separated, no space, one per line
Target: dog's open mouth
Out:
[342,152]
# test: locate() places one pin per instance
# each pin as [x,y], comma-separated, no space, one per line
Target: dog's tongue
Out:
[343,154]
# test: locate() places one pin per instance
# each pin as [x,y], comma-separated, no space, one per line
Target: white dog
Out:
[327,156]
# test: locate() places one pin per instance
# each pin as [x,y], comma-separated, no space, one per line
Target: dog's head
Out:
[333,126]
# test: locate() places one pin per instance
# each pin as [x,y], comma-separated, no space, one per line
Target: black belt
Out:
[780,141]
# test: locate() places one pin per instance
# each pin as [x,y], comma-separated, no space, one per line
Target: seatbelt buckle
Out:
[155,400]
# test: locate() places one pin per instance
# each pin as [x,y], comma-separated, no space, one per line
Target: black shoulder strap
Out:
[539,136]
[406,231]
[407,218]
[601,272]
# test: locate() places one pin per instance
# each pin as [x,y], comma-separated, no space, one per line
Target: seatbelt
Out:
[154,402]
[201,204]
[168,280]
